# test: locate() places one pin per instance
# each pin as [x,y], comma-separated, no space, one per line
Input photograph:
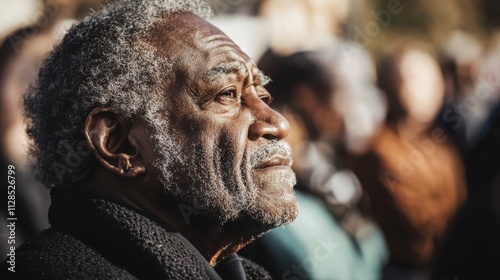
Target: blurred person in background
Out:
[472,249]
[21,54]
[412,175]
[449,118]
[466,52]
[40,24]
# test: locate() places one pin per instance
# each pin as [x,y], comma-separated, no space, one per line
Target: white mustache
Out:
[274,148]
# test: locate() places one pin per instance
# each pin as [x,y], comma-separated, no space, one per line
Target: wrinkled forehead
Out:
[193,43]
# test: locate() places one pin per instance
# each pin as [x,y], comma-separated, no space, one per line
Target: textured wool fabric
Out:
[94,238]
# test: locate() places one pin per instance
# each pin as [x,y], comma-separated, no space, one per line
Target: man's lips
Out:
[275,161]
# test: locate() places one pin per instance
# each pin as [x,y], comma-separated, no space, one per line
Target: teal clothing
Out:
[315,246]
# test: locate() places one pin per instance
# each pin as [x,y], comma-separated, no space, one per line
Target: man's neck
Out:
[213,240]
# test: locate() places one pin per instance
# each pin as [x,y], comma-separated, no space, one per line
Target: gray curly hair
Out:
[100,62]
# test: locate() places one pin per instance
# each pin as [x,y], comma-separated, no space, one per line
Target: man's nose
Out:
[268,123]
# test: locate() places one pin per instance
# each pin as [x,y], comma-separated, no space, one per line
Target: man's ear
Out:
[108,135]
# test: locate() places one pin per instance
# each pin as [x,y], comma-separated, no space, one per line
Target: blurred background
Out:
[395,117]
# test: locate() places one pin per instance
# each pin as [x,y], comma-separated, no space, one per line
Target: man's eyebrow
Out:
[225,68]
[234,67]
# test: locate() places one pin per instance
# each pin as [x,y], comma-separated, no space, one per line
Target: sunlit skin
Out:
[216,101]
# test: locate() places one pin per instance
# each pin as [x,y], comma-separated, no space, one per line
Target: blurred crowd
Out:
[394,109]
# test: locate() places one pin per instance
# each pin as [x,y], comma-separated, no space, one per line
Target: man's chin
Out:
[274,182]
[275,204]
[277,215]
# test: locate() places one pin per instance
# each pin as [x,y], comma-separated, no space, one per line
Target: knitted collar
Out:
[146,246]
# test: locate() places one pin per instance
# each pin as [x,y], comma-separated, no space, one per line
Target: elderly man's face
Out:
[232,164]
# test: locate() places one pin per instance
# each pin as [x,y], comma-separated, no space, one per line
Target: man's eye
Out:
[227,96]
[231,93]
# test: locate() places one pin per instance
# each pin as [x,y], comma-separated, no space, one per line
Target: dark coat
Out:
[93,238]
